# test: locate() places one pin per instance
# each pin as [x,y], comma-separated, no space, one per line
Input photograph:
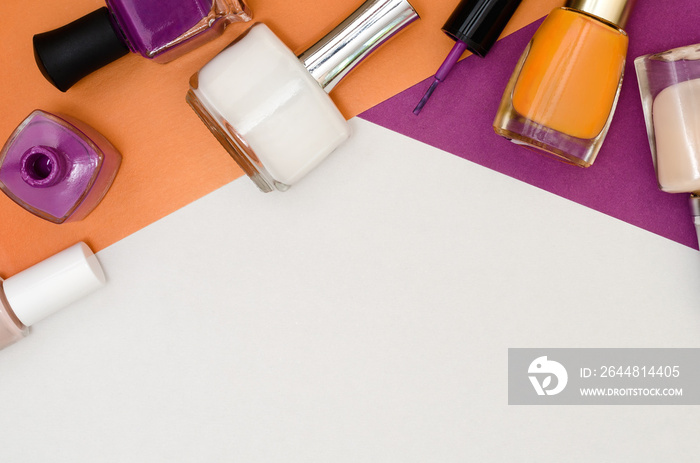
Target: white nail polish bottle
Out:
[270,109]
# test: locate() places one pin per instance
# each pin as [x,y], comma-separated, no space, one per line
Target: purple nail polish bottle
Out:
[57,168]
[161,30]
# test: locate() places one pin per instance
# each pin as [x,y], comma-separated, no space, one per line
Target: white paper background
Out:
[362,316]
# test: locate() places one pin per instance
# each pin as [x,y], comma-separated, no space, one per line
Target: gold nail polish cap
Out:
[613,11]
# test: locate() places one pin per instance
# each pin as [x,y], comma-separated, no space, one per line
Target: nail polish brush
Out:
[475,26]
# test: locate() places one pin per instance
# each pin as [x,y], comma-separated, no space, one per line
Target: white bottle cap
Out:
[54,283]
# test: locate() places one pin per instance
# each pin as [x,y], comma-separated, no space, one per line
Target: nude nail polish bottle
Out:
[270,109]
[669,84]
[41,290]
[56,167]
[561,97]
[161,30]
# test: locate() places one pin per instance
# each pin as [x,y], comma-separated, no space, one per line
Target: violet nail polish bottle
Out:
[161,30]
[39,291]
[270,109]
[57,168]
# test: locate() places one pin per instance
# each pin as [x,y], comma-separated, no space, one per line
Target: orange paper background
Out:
[169,157]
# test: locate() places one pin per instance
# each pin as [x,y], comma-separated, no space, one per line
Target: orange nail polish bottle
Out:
[562,95]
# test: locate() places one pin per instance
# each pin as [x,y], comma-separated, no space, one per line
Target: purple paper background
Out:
[621,183]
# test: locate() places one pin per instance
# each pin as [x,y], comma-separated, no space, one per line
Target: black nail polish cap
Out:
[478,23]
[69,53]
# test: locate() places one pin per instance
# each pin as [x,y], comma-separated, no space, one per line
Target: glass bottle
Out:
[56,167]
[157,30]
[270,109]
[41,290]
[562,95]
[669,84]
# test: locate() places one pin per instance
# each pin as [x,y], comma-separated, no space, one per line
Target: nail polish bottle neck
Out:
[615,12]
[43,166]
[371,25]
[10,314]
[695,211]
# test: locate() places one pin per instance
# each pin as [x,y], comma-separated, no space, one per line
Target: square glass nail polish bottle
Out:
[669,84]
[270,109]
[57,168]
[561,98]
[159,30]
